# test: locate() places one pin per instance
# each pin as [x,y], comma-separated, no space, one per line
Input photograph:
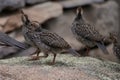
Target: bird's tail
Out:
[73,52]
[102,47]
[116,50]
[117,55]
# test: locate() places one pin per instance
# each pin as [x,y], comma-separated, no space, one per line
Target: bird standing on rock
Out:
[116,45]
[44,40]
[86,33]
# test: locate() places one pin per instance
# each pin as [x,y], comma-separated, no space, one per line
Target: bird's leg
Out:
[53,62]
[44,56]
[37,56]
[87,51]
[54,59]
[38,52]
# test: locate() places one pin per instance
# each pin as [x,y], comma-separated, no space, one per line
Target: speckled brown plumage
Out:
[116,44]
[44,40]
[86,33]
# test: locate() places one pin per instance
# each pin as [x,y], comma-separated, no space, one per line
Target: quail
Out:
[116,44]
[86,33]
[44,40]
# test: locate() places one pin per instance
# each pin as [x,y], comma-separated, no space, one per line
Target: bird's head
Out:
[36,26]
[79,13]
[31,25]
[113,37]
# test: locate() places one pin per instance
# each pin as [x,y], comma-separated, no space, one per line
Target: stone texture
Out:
[39,13]
[75,3]
[44,11]
[26,52]
[11,4]
[97,53]
[118,1]
[104,16]
[5,51]
[66,68]
[3,20]
[12,23]
[34,1]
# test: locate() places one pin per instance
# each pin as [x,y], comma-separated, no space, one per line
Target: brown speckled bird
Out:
[86,33]
[44,40]
[116,44]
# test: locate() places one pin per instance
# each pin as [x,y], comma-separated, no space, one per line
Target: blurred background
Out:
[57,16]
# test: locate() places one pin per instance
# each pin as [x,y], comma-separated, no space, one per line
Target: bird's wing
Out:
[53,40]
[36,40]
[88,32]
[50,39]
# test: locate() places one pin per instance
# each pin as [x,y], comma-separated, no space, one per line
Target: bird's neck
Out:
[25,28]
[79,18]
[39,29]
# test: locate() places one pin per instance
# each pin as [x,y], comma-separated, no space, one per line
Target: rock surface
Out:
[5,51]
[16,4]
[38,13]
[3,20]
[12,23]
[97,53]
[118,1]
[105,17]
[44,11]
[66,68]
[75,3]
[11,4]
[34,1]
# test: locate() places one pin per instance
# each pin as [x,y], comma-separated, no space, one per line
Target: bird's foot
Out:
[87,51]
[34,58]
[50,63]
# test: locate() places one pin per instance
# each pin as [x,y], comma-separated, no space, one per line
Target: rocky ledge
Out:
[66,68]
